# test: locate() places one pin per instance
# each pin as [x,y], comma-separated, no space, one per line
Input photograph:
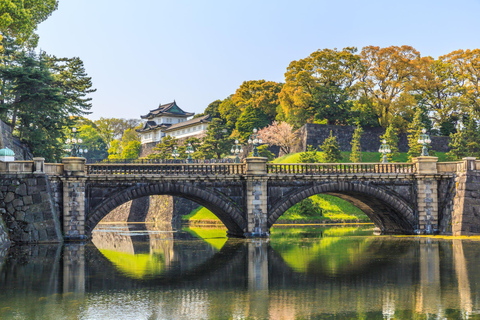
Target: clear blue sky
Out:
[141,53]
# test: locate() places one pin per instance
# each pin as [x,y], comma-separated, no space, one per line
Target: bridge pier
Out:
[74,182]
[257,198]
[427,196]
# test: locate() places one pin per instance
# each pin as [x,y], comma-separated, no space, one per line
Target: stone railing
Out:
[340,168]
[53,169]
[448,167]
[17,167]
[165,169]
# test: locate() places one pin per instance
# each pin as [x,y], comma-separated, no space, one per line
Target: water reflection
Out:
[136,272]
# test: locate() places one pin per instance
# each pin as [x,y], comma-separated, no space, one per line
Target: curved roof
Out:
[6,152]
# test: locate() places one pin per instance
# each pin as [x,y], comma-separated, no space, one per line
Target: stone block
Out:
[17,203]
[9,197]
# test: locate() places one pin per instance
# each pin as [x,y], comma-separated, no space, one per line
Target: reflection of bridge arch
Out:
[388,211]
[225,210]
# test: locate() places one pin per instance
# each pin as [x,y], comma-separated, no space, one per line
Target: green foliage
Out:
[414,131]
[250,119]
[164,149]
[115,150]
[93,142]
[264,152]
[216,143]
[36,106]
[356,154]
[195,143]
[130,149]
[465,142]
[229,113]
[307,207]
[391,137]
[113,128]
[331,149]
[311,155]
[19,18]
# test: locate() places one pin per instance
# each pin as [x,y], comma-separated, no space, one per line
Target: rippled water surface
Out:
[142,272]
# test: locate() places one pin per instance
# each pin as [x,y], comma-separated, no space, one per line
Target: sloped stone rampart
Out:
[28,209]
[315,135]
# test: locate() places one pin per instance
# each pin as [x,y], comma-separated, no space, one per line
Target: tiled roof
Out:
[152,125]
[204,119]
[167,109]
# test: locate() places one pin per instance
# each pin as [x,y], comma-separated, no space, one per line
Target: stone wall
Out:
[4,239]
[466,204]
[8,140]
[315,134]
[28,208]
[152,209]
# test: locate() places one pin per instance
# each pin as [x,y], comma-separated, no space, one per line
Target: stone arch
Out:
[227,211]
[387,211]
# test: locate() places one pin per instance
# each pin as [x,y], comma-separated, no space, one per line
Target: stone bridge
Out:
[43,202]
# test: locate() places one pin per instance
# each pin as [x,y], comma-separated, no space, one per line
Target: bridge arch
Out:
[229,213]
[387,211]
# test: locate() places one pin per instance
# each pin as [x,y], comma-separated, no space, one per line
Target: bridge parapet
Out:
[166,169]
[340,168]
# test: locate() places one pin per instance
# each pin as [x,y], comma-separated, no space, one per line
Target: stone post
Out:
[74,198]
[466,204]
[38,165]
[257,197]
[427,197]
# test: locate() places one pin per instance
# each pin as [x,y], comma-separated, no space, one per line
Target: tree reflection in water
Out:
[137,272]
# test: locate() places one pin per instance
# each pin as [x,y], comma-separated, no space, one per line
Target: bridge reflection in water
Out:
[137,273]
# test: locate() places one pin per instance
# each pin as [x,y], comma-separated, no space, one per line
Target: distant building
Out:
[169,120]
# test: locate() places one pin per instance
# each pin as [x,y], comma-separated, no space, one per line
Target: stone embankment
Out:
[28,208]
[158,209]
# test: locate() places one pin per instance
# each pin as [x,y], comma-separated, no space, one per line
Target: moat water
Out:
[142,272]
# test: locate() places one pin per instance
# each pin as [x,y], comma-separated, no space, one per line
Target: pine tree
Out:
[465,142]
[164,149]
[331,149]
[391,137]
[356,154]
[414,130]
[216,143]
[311,155]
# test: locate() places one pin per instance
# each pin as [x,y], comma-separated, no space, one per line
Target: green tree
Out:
[311,155]
[131,150]
[465,142]
[356,154]
[264,152]
[195,143]
[216,143]
[391,137]
[308,208]
[36,107]
[331,149]
[115,150]
[164,149]
[19,18]
[93,142]
[250,119]
[319,87]
[229,113]
[113,128]
[413,133]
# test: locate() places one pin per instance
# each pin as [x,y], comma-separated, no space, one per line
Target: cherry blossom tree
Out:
[279,134]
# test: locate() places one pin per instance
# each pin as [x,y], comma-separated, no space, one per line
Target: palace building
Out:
[169,120]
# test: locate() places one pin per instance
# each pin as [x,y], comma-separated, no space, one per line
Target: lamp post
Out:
[73,145]
[255,140]
[189,151]
[424,140]
[175,153]
[236,149]
[384,148]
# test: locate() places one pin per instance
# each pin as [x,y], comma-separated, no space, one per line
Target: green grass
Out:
[201,213]
[333,209]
